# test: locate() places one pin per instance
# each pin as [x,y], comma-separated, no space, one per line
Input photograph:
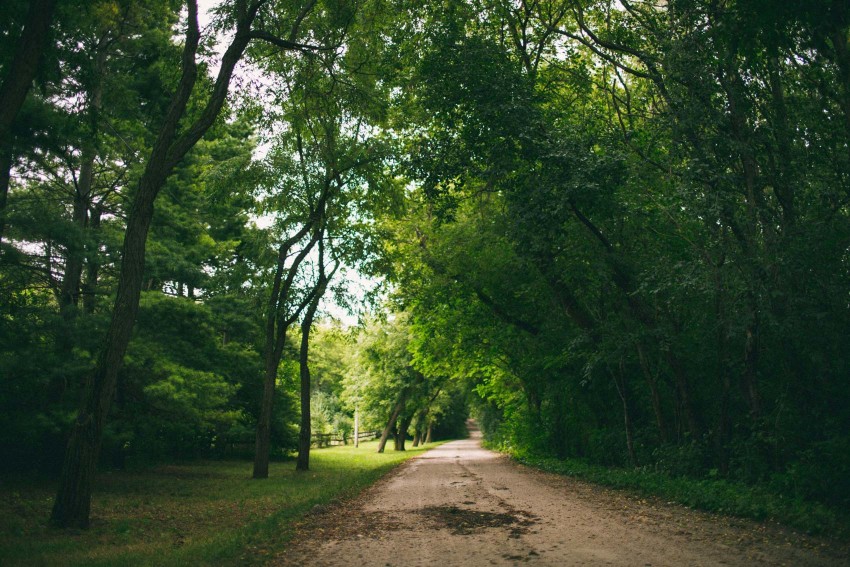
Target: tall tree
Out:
[72,505]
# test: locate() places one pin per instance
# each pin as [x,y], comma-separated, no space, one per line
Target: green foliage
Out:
[174,399]
[626,232]
[711,494]
[618,232]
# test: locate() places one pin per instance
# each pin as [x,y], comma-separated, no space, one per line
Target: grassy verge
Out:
[189,514]
[712,495]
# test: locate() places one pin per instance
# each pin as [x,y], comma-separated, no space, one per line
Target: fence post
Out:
[356,428]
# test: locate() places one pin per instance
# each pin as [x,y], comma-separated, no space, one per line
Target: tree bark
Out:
[683,390]
[277,321]
[619,377]
[72,278]
[277,324]
[262,445]
[303,462]
[82,203]
[402,397]
[403,425]
[72,505]
[89,289]
[16,85]
[623,279]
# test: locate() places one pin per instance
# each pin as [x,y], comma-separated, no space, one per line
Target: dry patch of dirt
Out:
[462,521]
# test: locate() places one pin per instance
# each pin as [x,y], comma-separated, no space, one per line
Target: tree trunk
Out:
[403,426]
[655,396]
[391,422]
[724,379]
[303,462]
[623,279]
[750,374]
[262,444]
[75,248]
[277,324]
[72,505]
[16,84]
[683,390]
[71,508]
[428,435]
[82,204]
[421,417]
[356,428]
[6,159]
[841,56]
[619,377]
[89,289]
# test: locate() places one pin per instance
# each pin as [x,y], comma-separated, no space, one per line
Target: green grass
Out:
[713,495]
[197,513]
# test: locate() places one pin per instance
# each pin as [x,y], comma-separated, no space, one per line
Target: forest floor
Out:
[193,513]
[460,504]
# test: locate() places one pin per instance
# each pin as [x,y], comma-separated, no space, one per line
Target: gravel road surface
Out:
[459,504]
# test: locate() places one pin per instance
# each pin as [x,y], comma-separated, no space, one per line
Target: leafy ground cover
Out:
[178,514]
[709,494]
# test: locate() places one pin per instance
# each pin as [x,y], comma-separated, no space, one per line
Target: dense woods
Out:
[613,231]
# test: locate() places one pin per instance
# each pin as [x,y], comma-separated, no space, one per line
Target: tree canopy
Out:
[609,230]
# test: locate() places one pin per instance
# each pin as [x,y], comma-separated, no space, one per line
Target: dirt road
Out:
[462,505]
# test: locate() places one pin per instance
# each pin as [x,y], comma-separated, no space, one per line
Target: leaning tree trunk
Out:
[619,377]
[391,422]
[73,500]
[72,505]
[16,84]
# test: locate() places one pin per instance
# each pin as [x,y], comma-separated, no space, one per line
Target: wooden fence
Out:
[320,440]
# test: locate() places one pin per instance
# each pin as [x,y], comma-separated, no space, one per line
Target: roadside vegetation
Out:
[712,494]
[617,230]
[191,513]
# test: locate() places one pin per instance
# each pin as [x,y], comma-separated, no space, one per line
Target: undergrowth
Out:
[709,494]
